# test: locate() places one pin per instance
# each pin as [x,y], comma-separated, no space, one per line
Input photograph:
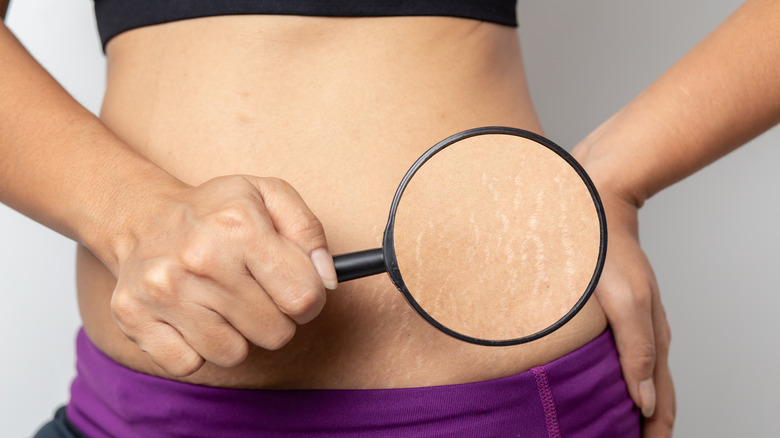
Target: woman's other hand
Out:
[211,269]
[628,290]
[629,295]
[720,95]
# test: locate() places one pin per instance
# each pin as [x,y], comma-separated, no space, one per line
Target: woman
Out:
[168,97]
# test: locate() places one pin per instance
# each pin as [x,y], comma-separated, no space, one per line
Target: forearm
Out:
[719,96]
[60,165]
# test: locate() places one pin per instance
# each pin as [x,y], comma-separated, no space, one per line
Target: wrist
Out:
[606,156]
[132,200]
[614,182]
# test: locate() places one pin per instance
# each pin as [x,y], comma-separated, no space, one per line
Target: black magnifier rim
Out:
[388,245]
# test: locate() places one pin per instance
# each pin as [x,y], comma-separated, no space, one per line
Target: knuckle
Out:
[281,335]
[123,308]
[158,280]
[642,355]
[307,227]
[666,417]
[624,301]
[235,354]
[664,340]
[235,216]
[233,350]
[642,300]
[185,364]
[277,184]
[310,301]
[197,257]
[666,335]
[172,355]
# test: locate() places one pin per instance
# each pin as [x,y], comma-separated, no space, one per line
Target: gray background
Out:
[713,238]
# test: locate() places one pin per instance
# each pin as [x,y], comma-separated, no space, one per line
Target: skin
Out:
[719,96]
[174,244]
[194,268]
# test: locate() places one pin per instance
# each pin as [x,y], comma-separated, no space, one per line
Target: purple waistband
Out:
[579,395]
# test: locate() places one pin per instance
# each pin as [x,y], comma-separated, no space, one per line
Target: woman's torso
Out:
[338,107]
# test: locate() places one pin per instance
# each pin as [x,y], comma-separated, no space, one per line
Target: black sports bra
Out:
[117,16]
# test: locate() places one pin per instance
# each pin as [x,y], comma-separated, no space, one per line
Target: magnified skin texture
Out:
[497,237]
[339,109]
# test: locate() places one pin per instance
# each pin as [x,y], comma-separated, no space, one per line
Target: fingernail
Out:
[647,397]
[323,263]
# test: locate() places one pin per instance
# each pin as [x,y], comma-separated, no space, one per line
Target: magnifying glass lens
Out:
[497,237]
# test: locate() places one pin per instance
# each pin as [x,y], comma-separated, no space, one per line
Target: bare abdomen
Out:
[339,108]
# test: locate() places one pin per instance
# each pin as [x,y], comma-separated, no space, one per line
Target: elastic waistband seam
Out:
[548,402]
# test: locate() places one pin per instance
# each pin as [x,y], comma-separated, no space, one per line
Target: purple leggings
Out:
[579,395]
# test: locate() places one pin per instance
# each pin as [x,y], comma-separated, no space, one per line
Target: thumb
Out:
[294,221]
[630,317]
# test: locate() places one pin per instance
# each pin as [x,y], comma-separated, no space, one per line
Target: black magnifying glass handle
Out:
[359,264]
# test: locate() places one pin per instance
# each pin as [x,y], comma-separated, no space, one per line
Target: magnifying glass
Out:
[496,236]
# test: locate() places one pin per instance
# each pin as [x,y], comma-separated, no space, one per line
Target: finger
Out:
[629,311]
[209,334]
[252,312]
[225,285]
[168,350]
[661,423]
[284,272]
[279,266]
[164,345]
[295,221]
